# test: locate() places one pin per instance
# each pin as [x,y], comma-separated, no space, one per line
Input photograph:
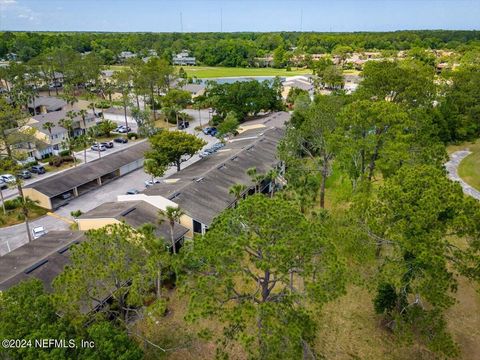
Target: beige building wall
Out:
[187,221]
[91,224]
[43,200]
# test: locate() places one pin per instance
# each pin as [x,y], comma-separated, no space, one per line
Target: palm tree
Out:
[272,177]
[84,140]
[237,190]
[67,124]
[83,114]
[256,178]
[173,215]
[48,126]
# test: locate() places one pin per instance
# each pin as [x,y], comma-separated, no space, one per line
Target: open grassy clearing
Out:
[203,72]
[469,168]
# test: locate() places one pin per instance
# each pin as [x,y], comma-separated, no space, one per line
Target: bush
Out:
[132,135]
[76,213]
[64,153]
[13,204]
[59,160]
[30,164]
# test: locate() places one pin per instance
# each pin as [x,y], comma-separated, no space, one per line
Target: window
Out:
[197,227]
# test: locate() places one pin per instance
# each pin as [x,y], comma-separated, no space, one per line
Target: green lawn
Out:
[217,71]
[469,168]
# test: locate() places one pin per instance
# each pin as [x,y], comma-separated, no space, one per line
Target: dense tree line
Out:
[229,49]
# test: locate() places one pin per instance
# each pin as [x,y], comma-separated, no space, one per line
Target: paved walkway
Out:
[452,167]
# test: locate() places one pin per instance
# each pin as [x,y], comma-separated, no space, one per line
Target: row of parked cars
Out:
[6,179]
[103,146]
[211,149]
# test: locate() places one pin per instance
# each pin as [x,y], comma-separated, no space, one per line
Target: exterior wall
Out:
[187,221]
[89,224]
[43,200]
[131,167]
[158,201]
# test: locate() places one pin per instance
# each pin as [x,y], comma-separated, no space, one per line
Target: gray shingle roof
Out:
[202,189]
[136,214]
[51,103]
[28,260]
[54,117]
[67,180]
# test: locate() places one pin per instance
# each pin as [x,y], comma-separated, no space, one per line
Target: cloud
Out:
[7,2]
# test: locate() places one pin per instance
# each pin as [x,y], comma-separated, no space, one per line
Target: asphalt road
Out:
[15,236]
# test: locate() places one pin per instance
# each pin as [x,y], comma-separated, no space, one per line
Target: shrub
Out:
[64,153]
[30,164]
[76,213]
[132,135]
[13,204]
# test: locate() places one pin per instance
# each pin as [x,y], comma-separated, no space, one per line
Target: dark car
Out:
[38,169]
[24,174]
[121,140]
[183,125]
[213,131]
[107,144]
[132,192]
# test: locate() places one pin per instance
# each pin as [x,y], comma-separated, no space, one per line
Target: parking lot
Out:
[15,236]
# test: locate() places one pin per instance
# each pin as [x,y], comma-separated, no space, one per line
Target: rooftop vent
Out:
[234,158]
[35,266]
[128,211]
[199,179]
[174,196]
[220,167]
[250,147]
[65,248]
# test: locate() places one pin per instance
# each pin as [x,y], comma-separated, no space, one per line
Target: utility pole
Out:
[221,20]
[301,20]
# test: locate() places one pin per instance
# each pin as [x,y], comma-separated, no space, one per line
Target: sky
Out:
[238,15]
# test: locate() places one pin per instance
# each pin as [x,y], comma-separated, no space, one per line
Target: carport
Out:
[58,190]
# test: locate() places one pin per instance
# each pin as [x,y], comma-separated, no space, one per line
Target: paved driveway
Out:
[15,236]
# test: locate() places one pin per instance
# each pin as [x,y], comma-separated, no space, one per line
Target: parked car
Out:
[132,192]
[24,174]
[203,154]
[207,130]
[37,169]
[213,131]
[98,147]
[218,146]
[183,125]
[152,182]
[121,140]
[3,186]
[66,195]
[107,144]
[8,178]
[38,231]
[123,129]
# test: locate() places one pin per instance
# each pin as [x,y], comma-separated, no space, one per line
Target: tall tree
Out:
[412,222]
[172,148]
[112,263]
[256,269]
[13,133]
[173,215]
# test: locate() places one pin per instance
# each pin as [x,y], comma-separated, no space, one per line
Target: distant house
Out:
[194,89]
[183,58]
[49,141]
[302,82]
[125,55]
[45,104]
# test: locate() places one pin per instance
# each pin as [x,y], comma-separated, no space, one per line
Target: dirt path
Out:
[452,167]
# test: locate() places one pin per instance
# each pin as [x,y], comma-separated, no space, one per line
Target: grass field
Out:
[13,217]
[469,169]
[203,72]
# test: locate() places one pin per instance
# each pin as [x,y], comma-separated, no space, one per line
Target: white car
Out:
[8,178]
[151,182]
[98,147]
[38,231]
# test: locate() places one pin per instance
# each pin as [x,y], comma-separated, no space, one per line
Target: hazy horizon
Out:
[238,16]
